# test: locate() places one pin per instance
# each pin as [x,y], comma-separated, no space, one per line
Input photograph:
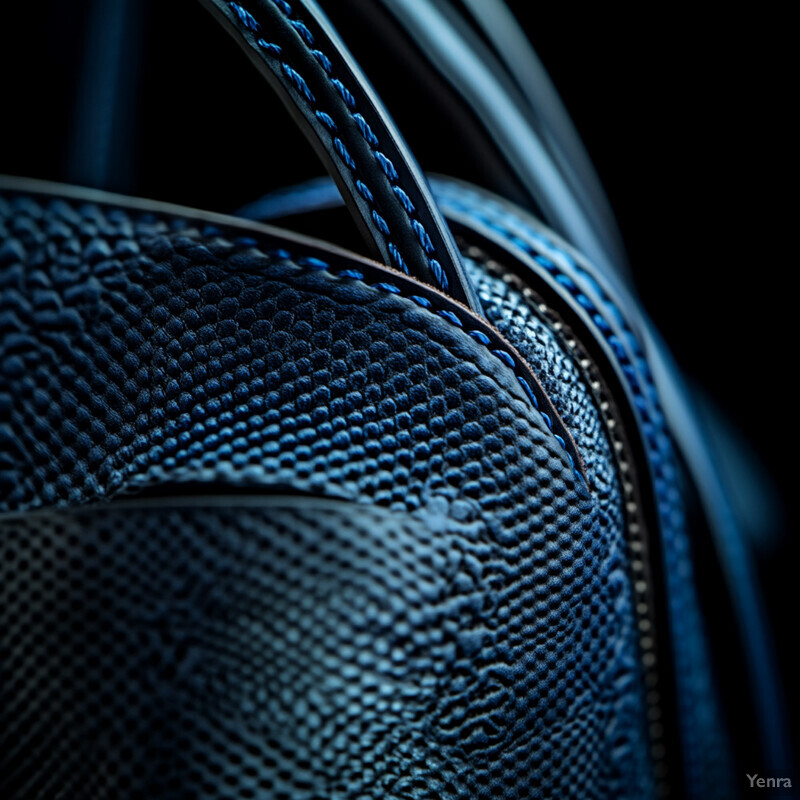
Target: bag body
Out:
[283,520]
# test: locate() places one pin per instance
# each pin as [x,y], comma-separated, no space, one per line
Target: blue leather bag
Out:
[280,520]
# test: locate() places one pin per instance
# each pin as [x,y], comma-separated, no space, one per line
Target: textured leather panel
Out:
[175,353]
[138,351]
[704,738]
[309,649]
[563,380]
[511,597]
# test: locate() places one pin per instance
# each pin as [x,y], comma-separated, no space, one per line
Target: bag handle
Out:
[472,55]
[295,47]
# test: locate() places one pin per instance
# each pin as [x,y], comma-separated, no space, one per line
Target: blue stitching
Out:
[302,30]
[385,287]
[480,336]
[245,241]
[404,199]
[422,235]
[366,131]
[298,82]
[525,385]
[653,425]
[318,264]
[324,61]
[351,273]
[386,166]
[397,258]
[380,222]
[504,357]
[269,47]
[344,154]
[438,272]
[344,92]
[313,263]
[364,190]
[246,18]
[326,120]
[249,22]
[450,317]
[597,316]
[658,442]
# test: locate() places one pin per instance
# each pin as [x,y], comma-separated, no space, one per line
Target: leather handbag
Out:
[284,520]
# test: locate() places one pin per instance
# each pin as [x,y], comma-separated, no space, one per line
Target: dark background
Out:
[685,117]
[687,122]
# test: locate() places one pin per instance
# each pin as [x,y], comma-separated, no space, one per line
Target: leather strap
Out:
[294,46]
[483,63]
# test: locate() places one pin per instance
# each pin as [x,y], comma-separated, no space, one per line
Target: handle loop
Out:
[294,46]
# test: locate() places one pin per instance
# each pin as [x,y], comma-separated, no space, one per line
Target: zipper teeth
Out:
[636,527]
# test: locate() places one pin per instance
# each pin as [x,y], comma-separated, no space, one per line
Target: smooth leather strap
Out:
[562,185]
[300,54]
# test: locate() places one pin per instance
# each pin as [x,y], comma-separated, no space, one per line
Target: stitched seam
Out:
[241,240]
[563,279]
[503,356]
[319,265]
[654,419]
[653,426]
[656,437]
[248,21]
[636,538]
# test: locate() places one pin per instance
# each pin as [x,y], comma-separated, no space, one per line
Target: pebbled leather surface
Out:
[139,352]
[299,649]
[561,376]
[527,248]
[147,351]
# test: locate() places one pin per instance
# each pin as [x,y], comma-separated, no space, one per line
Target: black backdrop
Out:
[686,120]
[683,114]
